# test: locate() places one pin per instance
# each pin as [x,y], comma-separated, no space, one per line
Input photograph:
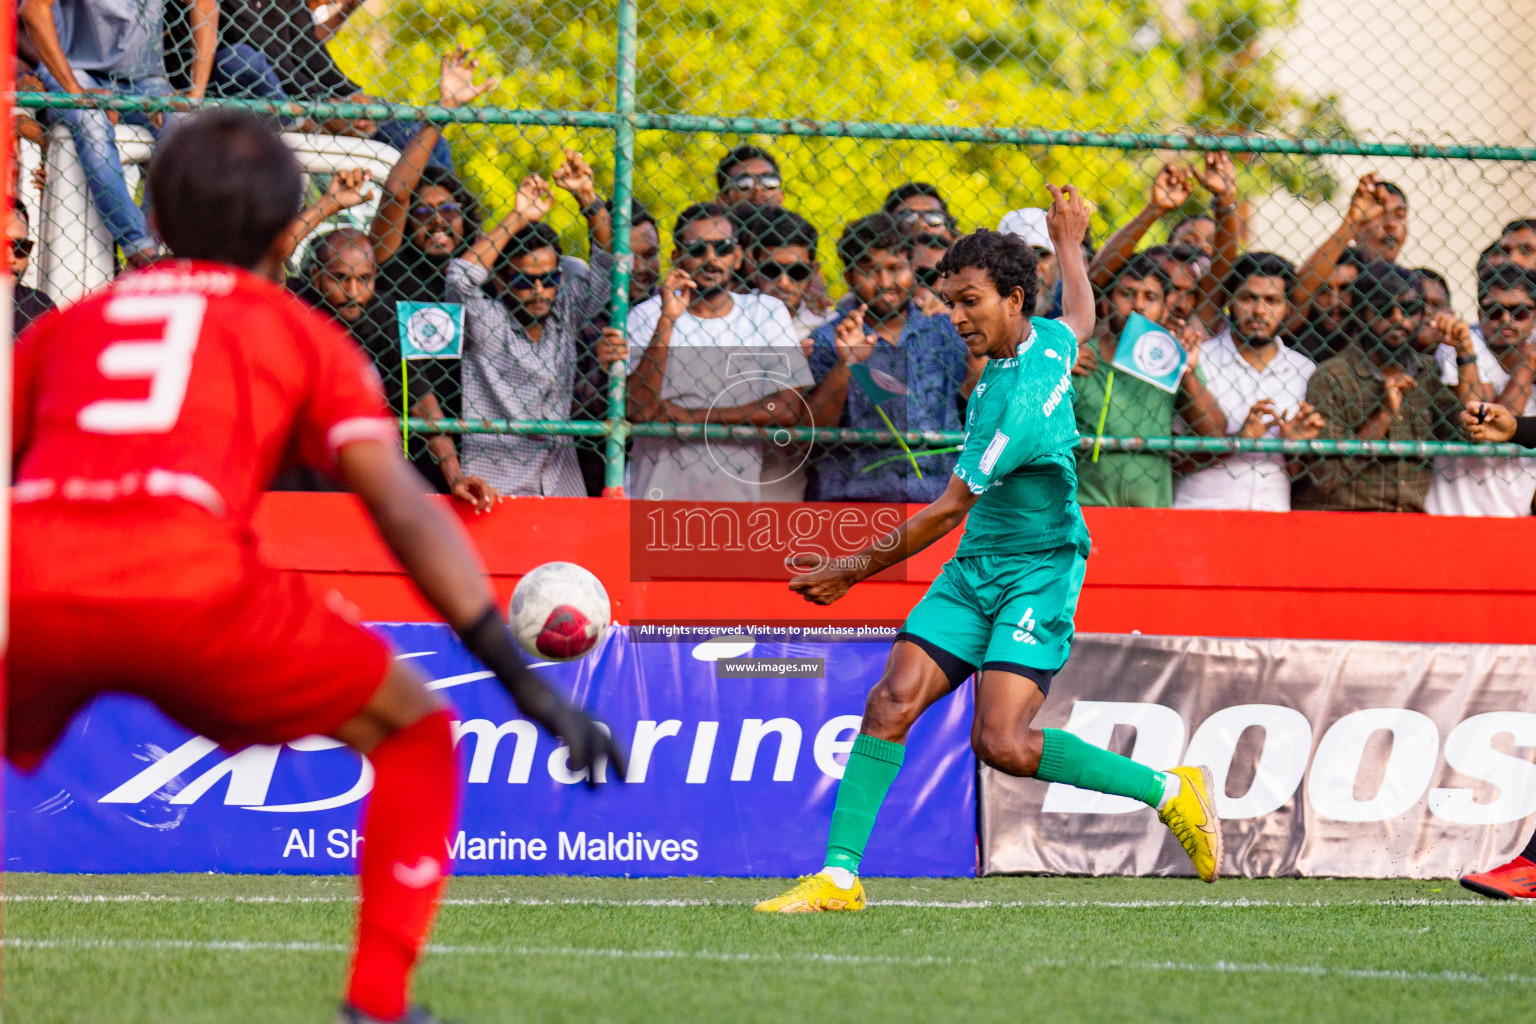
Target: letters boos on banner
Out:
[728,776]
[1345,759]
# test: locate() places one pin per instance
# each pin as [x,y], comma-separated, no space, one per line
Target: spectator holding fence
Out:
[339,278]
[1131,407]
[114,47]
[1383,387]
[888,333]
[1504,352]
[1261,385]
[525,303]
[426,216]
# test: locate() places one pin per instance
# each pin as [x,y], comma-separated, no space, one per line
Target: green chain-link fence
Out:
[847,143]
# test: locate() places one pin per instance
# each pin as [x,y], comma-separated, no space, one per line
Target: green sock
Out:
[1065,758]
[872,767]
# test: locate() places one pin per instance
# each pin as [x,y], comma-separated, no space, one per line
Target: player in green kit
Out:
[1002,608]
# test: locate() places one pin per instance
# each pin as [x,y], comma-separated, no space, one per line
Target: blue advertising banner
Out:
[729,775]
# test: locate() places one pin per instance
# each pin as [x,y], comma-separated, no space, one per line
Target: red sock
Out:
[405,856]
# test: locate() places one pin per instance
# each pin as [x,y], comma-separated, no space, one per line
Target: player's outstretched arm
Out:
[1067,221]
[432,547]
[948,511]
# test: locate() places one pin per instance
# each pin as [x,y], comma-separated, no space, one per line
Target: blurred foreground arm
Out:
[433,549]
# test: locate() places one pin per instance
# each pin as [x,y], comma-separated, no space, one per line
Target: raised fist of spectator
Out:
[575,176]
[1369,203]
[349,188]
[1219,178]
[533,199]
[1171,188]
[456,84]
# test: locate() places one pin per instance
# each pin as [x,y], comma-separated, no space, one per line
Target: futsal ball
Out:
[559,611]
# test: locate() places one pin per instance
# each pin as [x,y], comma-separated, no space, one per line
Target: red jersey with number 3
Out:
[155,412]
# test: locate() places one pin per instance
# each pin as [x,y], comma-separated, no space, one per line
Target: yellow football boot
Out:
[1191,816]
[815,893]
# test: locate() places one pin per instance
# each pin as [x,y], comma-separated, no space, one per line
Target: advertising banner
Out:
[1343,759]
[733,769]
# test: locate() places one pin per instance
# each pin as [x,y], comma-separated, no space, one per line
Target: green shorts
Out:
[1009,612]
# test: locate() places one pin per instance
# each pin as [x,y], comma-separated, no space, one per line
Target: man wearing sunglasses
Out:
[1383,387]
[1505,360]
[711,356]
[28,303]
[780,247]
[750,175]
[525,305]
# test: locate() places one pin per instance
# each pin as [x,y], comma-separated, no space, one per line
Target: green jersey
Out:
[1019,453]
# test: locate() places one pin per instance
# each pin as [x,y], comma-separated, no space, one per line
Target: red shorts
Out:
[265,661]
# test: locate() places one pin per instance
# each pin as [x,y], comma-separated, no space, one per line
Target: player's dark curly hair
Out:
[1008,260]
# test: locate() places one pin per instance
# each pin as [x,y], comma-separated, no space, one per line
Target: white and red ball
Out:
[559,612]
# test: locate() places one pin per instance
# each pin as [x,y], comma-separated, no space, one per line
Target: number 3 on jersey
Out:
[164,360]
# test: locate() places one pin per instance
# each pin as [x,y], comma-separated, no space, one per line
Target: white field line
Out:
[1219,967]
[1239,903]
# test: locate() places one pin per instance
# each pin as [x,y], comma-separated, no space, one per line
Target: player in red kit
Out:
[148,419]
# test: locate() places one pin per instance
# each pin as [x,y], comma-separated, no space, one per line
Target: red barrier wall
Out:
[1299,574]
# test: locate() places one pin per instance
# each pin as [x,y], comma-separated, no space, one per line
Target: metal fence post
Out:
[623,194]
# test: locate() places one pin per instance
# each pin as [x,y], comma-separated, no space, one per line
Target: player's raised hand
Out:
[824,584]
[1067,218]
[533,199]
[1485,421]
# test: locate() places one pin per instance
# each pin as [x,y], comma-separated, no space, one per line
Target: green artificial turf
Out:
[207,948]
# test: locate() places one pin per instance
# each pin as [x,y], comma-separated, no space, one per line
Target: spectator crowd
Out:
[733,320]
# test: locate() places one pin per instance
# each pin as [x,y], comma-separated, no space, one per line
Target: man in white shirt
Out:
[705,355]
[1505,355]
[1261,386]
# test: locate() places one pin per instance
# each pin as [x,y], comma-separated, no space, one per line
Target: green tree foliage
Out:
[1090,65]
